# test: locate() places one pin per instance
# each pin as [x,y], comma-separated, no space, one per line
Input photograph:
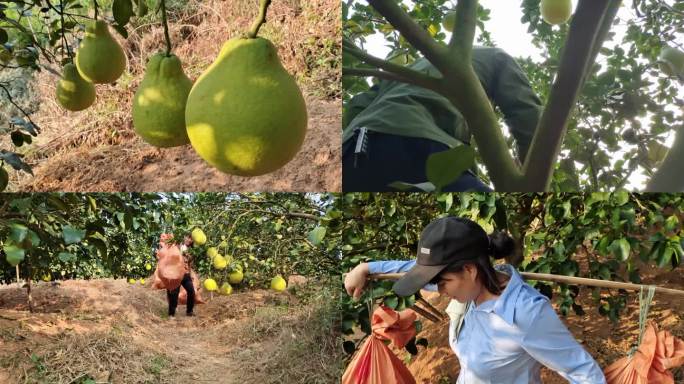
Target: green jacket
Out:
[408,110]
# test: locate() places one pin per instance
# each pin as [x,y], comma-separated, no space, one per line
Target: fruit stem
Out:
[166,28]
[261,19]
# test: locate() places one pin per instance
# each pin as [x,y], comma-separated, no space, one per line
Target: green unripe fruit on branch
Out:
[159,102]
[245,115]
[73,92]
[449,21]
[556,11]
[198,236]
[671,62]
[210,285]
[100,59]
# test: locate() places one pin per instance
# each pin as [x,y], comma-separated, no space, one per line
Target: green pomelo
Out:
[245,114]
[73,92]
[159,102]
[556,11]
[100,59]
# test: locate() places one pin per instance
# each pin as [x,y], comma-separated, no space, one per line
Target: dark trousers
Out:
[391,158]
[173,295]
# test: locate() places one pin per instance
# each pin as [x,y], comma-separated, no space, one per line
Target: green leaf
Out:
[665,257]
[392,302]
[72,235]
[403,186]
[621,197]
[18,233]
[122,11]
[316,235]
[621,248]
[442,168]
[66,257]
[14,254]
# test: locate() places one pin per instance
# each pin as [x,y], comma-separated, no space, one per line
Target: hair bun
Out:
[501,244]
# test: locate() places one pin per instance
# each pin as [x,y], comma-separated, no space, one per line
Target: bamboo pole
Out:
[563,279]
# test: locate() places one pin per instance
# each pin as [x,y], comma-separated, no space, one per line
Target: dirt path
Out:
[115,332]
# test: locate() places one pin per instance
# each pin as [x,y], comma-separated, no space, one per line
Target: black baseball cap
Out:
[442,243]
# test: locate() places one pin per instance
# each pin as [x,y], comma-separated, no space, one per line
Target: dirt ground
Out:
[98,150]
[605,341]
[116,332]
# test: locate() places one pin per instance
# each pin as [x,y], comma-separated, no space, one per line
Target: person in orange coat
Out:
[186,282]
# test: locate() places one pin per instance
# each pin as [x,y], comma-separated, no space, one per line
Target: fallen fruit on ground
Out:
[245,114]
[556,11]
[278,283]
[100,59]
[210,285]
[159,102]
[132,281]
[73,91]
[198,236]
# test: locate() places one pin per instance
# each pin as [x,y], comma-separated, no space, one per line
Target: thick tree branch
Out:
[11,100]
[367,72]
[412,32]
[461,43]
[413,76]
[575,63]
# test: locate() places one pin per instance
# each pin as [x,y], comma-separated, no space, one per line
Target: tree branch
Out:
[367,72]
[411,76]
[575,63]
[28,117]
[461,43]
[412,32]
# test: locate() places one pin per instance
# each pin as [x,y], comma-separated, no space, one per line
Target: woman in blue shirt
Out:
[502,330]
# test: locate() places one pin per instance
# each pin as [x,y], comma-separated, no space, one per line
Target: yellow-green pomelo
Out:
[235,277]
[556,11]
[100,59]
[245,114]
[159,102]
[226,289]
[73,91]
[671,61]
[131,281]
[219,262]
[210,285]
[5,54]
[212,252]
[198,236]
[278,283]
[449,21]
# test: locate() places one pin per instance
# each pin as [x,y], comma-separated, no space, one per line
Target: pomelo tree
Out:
[608,108]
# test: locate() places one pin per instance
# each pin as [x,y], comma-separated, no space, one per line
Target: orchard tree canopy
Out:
[609,106]
[64,235]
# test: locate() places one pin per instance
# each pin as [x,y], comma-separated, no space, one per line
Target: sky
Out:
[509,33]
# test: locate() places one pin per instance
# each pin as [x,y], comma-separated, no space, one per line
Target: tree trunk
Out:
[28,290]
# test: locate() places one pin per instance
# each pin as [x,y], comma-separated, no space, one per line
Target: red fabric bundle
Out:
[659,351]
[375,363]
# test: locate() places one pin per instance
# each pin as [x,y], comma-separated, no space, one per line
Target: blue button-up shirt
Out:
[507,339]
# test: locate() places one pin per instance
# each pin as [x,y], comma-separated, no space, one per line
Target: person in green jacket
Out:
[390,130]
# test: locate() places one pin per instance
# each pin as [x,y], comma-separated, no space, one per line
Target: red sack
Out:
[170,267]
[658,352]
[183,295]
[375,363]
